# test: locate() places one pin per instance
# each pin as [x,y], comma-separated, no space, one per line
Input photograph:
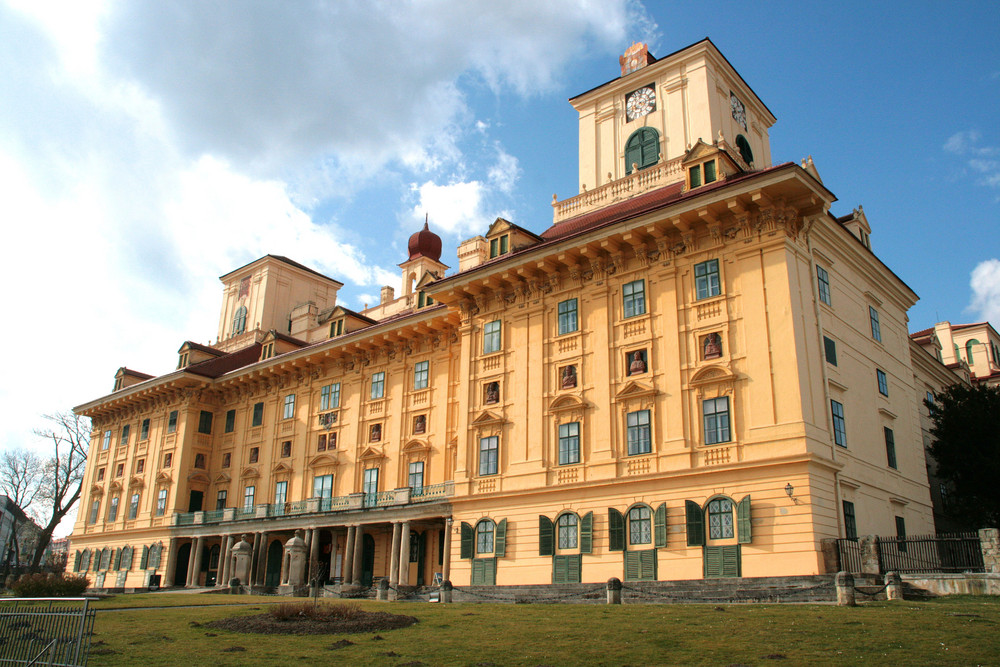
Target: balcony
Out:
[317,506]
[634,184]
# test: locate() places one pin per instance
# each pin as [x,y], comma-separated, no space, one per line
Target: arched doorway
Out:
[272,575]
[181,565]
[367,560]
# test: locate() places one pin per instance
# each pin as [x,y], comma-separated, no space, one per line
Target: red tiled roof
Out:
[213,368]
[136,374]
[203,348]
[922,333]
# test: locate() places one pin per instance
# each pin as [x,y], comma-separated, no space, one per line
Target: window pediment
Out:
[136,482]
[199,477]
[322,460]
[370,454]
[635,389]
[222,478]
[487,417]
[281,468]
[567,402]
[115,486]
[163,478]
[711,374]
[97,490]
[249,473]
[416,446]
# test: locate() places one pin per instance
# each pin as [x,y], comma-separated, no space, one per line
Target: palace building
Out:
[696,370]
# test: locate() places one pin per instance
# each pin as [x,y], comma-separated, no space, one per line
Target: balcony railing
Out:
[635,183]
[425,494]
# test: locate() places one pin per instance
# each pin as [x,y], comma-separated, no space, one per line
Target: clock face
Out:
[739,112]
[640,103]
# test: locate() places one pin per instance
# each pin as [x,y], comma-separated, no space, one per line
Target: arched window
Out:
[642,149]
[484,537]
[969,347]
[720,519]
[744,146]
[640,525]
[240,320]
[568,526]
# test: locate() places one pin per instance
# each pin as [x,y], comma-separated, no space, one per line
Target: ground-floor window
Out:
[723,561]
[484,571]
[566,569]
[640,565]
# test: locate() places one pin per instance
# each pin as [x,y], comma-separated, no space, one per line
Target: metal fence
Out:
[945,552]
[849,555]
[45,631]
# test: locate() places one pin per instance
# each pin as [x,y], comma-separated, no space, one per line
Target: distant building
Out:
[972,351]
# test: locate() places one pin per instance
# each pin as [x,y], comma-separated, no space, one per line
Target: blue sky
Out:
[148,148]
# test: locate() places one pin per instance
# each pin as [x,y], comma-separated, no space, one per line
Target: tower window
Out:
[744,147]
[642,149]
[240,320]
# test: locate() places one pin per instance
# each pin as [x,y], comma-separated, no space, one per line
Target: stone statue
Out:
[493,392]
[376,433]
[638,365]
[420,424]
[569,377]
[713,346]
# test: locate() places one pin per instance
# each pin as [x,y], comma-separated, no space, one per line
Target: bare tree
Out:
[20,480]
[62,473]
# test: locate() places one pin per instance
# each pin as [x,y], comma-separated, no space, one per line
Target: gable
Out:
[634,389]
[567,402]
[486,417]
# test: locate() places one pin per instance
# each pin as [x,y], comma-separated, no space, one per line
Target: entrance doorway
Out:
[194,505]
[272,575]
[212,569]
[181,564]
[421,551]
[367,560]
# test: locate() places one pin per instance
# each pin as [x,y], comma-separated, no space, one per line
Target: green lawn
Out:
[956,630]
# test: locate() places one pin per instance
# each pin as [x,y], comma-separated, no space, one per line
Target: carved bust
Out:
[493,392]
[638,364]
[568,377]
[712,348]
[376,433]
[420,423]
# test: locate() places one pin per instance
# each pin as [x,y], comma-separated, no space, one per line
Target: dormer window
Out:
[267,351]
[336,328]
[424,300]
[499,246]
[183,362]
[701,174]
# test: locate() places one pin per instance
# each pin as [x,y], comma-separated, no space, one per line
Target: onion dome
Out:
[425,243]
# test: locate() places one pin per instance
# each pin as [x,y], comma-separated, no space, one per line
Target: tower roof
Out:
[425,243]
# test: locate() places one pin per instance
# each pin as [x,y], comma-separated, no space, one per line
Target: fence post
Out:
[989,543]
[446,588]
[893,586]
[614,591]
[845,589]
[382,590]
[869,554]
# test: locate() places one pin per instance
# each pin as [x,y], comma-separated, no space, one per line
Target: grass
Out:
[948,631]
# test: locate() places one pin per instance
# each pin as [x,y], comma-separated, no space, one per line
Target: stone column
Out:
[347,571]
[989,543]
[189,575]
[446,556]
[199,555]
[404,555]
[845,589]
[446,589]
[253,560]
[333,555]
[359,533]
[169,576]
[221,579]
[394,555]
[313,546]
[283,577]
[261,559]
[869,554]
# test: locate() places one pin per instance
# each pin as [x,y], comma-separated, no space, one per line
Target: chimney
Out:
[472,253]
[388,294]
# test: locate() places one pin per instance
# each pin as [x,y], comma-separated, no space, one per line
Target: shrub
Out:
[50,585]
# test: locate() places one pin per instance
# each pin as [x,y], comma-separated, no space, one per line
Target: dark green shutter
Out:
[466,540]
[116,559]
[566,569]
[477,571]
[632,565]
[484,571]
[500,544]
[145,558]
[713,562]
[76,561]
[587,533]
[660,526]
[559,569]
[647,564]
[731,560]
[743,521]
[695,524]
[616,530]
[545,530]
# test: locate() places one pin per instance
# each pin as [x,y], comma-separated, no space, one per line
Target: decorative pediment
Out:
[115,486]
[699,150]
[137,482]
[487,417]
[416,446]
[249,473]
[222,478]
[199,478]
[322,460]
[371,453]
[499,226]
[97,490]
[281,468]
[567,402]
[163,477]
[428,277]
[711,374]
[635,389]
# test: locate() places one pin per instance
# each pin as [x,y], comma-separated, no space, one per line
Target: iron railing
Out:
[946,552]
[45,631]
[849,555]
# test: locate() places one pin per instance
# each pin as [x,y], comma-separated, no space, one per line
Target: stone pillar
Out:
[989,543]
[446,556]
[242,554]
[845,589]
[333,555]
[831,557]
[347,571]
[295,549]
[283,577]
[169,576]
[261,560]
[446,588]
[614,590]
[404,555]
[253,559]
[394,555]
[189,575]
[198,556]
[869,554]
[359,534]
[227,543]
[382,591]
[893,586]
[313,556]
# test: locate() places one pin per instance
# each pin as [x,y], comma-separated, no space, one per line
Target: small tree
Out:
[966,447]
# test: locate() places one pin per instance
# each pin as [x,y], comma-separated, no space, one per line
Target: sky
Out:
[148,148]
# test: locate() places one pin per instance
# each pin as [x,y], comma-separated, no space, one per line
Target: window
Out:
[876,330]
[378,385]
[161,502]
[288,411]
[144,430]
[254,454]
[205,422]
[199,461]
[107,440]
[168,459]
[637,432]
[883,382]
[172,421]
[227,459]
[329,396]
[100,474]
[484,537]
[415,479]
[640,525]
[567,316]
[830,348]
[706,279]
[491,393]
[569,443]
[634,298]
[901,533]
[124,438]
[642,149]
[140,465]
[119,470]
[488,450]
[258,414]
[267,351]
[286,449]
[839,425]
[323,486]
[419,424]
[491,337]
[230,421]
[567,528]
[744,146]
[499,246]
[133,506]
[969,347]
[890,447]
[823,280]
[113,509]
[280,492]
[248,493]
[421,371]
[321,443]
[715,412]
[694,176]
[850,521]
[423,299]
[336,328]
[375,433]
[240,320]
[720,519]
[371,481]
[95,510]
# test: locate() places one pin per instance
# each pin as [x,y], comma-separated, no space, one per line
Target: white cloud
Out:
[978,158]
[985,284]
[455,208]
[504,174]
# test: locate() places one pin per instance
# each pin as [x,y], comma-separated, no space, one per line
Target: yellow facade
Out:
[696,371]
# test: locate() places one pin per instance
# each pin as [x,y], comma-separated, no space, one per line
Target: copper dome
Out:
[425,243]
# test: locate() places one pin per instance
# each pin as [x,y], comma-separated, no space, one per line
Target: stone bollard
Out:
[845,589]
[446,589]
[614,590]
[382,590]
[893,586]
[234,586]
